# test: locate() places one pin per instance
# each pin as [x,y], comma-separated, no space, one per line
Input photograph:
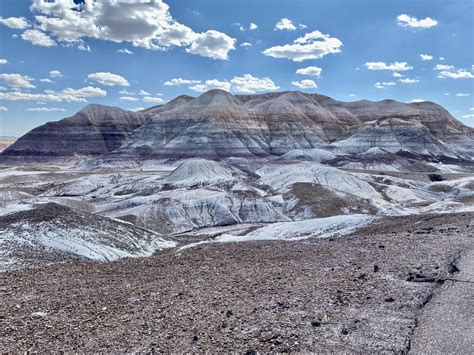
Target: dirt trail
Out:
[446,324]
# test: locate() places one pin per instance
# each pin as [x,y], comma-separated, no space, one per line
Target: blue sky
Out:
[58,56]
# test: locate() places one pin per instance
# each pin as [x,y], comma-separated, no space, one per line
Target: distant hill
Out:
[217,125]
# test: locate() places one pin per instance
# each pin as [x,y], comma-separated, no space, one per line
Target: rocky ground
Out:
[368,292]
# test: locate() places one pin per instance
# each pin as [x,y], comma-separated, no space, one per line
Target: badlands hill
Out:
[95,130]
[218,125]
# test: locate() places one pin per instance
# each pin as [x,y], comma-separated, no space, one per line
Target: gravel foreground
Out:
[368,292]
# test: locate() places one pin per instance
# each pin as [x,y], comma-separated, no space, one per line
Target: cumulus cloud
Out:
[468,116]
[146,24]
[397,66]
[246,84]
[181,81]
[38,38]
[46,80]
[211,84]
[69,95]
[108,79]
[397,75]
[426,57]
[129,98]
[409,81]
[212,44]
[312,45]
[450,71]
[88,91]
[145,93]
[417,100]
[126,92]
[46,109]
[3,108]
[55,74]
[405,20]
[316,71]
[250,84]
[305,84]
[251,27]
[17,23]
[125,51]
[463,94]
[3,61]
[382,85]
[17,81]
[246,44]
[83,47]
[157,100]
[285,24]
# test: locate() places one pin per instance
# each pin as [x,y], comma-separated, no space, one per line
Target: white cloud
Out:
[409,81]
[69,94]
[253,26]
[302,26]
[157,100]
[3,61]
[126,92]
[246,44]
[83,47]
[397,75]
[38,38]
[471,109]
[285,24]
[17,81]
[137,109]
[441,58]
[46,109]
[17,23]
[397,66]
[3,108]
[129,98]
[46,80]
[443,67]
[181,81]
[146,24]
[456,74]
[313,45]
[108,79]
[450,71]
[55,74]
[463,94]
[305,84]
[239,84]
[417,100]
[145,93]
[411,21]
[212,44]
[468,116]
[88,91]
[316,71]
[352,95]
[382,85]
[250,84]
[125,51]
[211,84]
[426,57]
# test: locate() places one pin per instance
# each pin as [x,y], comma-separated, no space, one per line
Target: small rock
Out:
[316,323]
[376,268]
[389,299]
